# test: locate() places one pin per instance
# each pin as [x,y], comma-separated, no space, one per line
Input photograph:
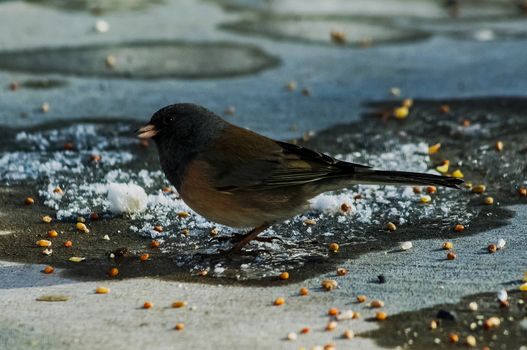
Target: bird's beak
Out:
[146,132]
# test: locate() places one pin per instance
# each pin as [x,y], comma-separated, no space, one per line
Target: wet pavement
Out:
[71,100]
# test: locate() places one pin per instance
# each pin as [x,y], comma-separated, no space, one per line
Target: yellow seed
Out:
[44,243]
[448,245]
[381,315]
[342,271]
[479,188]
[407,102]
[82,227]
[471,341]
[76,259]
[279,301]
[52,233]
[183,214]
[523,287]
[185,232]
[329,284]
[304,291]
[284,276]
[102,290]
[433,324]
[179,326]
[334,247]
[426,199]
[331,326]
[443,168]
[310,222]
[434,148]
[348,334]
[401,112]
[377,303]
[488,200]
[361,298]
[499,146]
[47,219]
[391,226]
[457,174]
[179,304]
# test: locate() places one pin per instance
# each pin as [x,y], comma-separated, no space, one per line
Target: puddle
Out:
[411,330]
[143,60]
[35,162]
[357,31]
[98,6]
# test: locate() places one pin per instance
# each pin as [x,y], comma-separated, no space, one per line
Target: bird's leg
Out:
[246,238]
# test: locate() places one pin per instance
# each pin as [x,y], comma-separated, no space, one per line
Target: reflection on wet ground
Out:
[412,330]
[71,168]
[98,6]
[143,60]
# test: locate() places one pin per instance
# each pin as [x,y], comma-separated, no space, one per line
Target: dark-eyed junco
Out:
[239,178]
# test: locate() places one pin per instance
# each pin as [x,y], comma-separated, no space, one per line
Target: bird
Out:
[239,178]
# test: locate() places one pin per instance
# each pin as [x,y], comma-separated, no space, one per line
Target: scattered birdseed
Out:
[491,322]
[488,200]
[492,248]
[444,109]
[346,315]
[110,61]
[448,245]
[451,256]
[479,188]
[53,298]
[47,219]
[183,214]
[431,189]
[68,244]
[179,326]
[523,287]
[279,301]
[48,269]
[377,303]
[361,298]
[101,26]
[473,306]
[345,207]
[45,107]
[499,146]
[395,91]
[144,257]
[29,201]
[471,341]
[381,315]
[47,252]
[425,199]
[329,284]
[453,338]
[406,245]
[522,191]
[457,174]
[82,227]
[391,226]
[459,228]
[416,189]
[43,243]
[214,232]
[52,233]
[185,232]
[342,271]
[407,102]
[330,346]
[401,112]
[434,148]
[106,237]
[179,304]
[348,334]
[310,222]
[433,324]
[333,311]
[284,276]
[443,168]
[102,290]
[155,244]
[304,330]
[304,291]
[76,259]
[292,336]
[203,273]
[331,326]
[148,305]
[114,271]
[291,86]
[338,36]
[334,247]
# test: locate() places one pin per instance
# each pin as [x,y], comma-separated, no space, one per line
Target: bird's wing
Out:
[252,162]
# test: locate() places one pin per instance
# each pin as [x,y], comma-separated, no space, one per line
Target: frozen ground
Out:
[80,94]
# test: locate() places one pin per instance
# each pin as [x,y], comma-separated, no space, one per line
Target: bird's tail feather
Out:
[386,177]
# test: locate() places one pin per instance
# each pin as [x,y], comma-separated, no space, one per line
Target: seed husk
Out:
[443,168]
[416,189]
[82,227]
[214,232]
[444,109]
[304,330]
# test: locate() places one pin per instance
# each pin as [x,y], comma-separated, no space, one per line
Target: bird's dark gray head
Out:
[180,131]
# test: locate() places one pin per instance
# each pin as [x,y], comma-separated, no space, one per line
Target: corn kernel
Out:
[29,201]
[48,270]
[82,227]
[499,146]
[448,245]
[144,257]
[401,112]
[334,247]
[331,326]
[52,233]
[148,305]
[457,174]
[114,271]
[279,301]
[304,291]
[451,256]
[443,168]
[284,276]
[488,200]
[523,287]
[102,290]
[179,304]
[361,298]
[434,148]
[459,228]
[425,199]
[47,219]
[479,188]
[377,303]
[179,326]
[43,243]
[391,226]
[431,189]
[333,311]
[453,338]
[342,271]
[381,315]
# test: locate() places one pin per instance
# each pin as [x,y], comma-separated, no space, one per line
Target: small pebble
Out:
[444,109]
[101,26]
[304,330]
[214,232]
[230,110]
[345,207]
[106,237]
[406,245]
[111,61]
[395,91]
[82,227]
[503,295]
[292,336]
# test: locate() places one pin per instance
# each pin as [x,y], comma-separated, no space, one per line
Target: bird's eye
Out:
[169,119]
